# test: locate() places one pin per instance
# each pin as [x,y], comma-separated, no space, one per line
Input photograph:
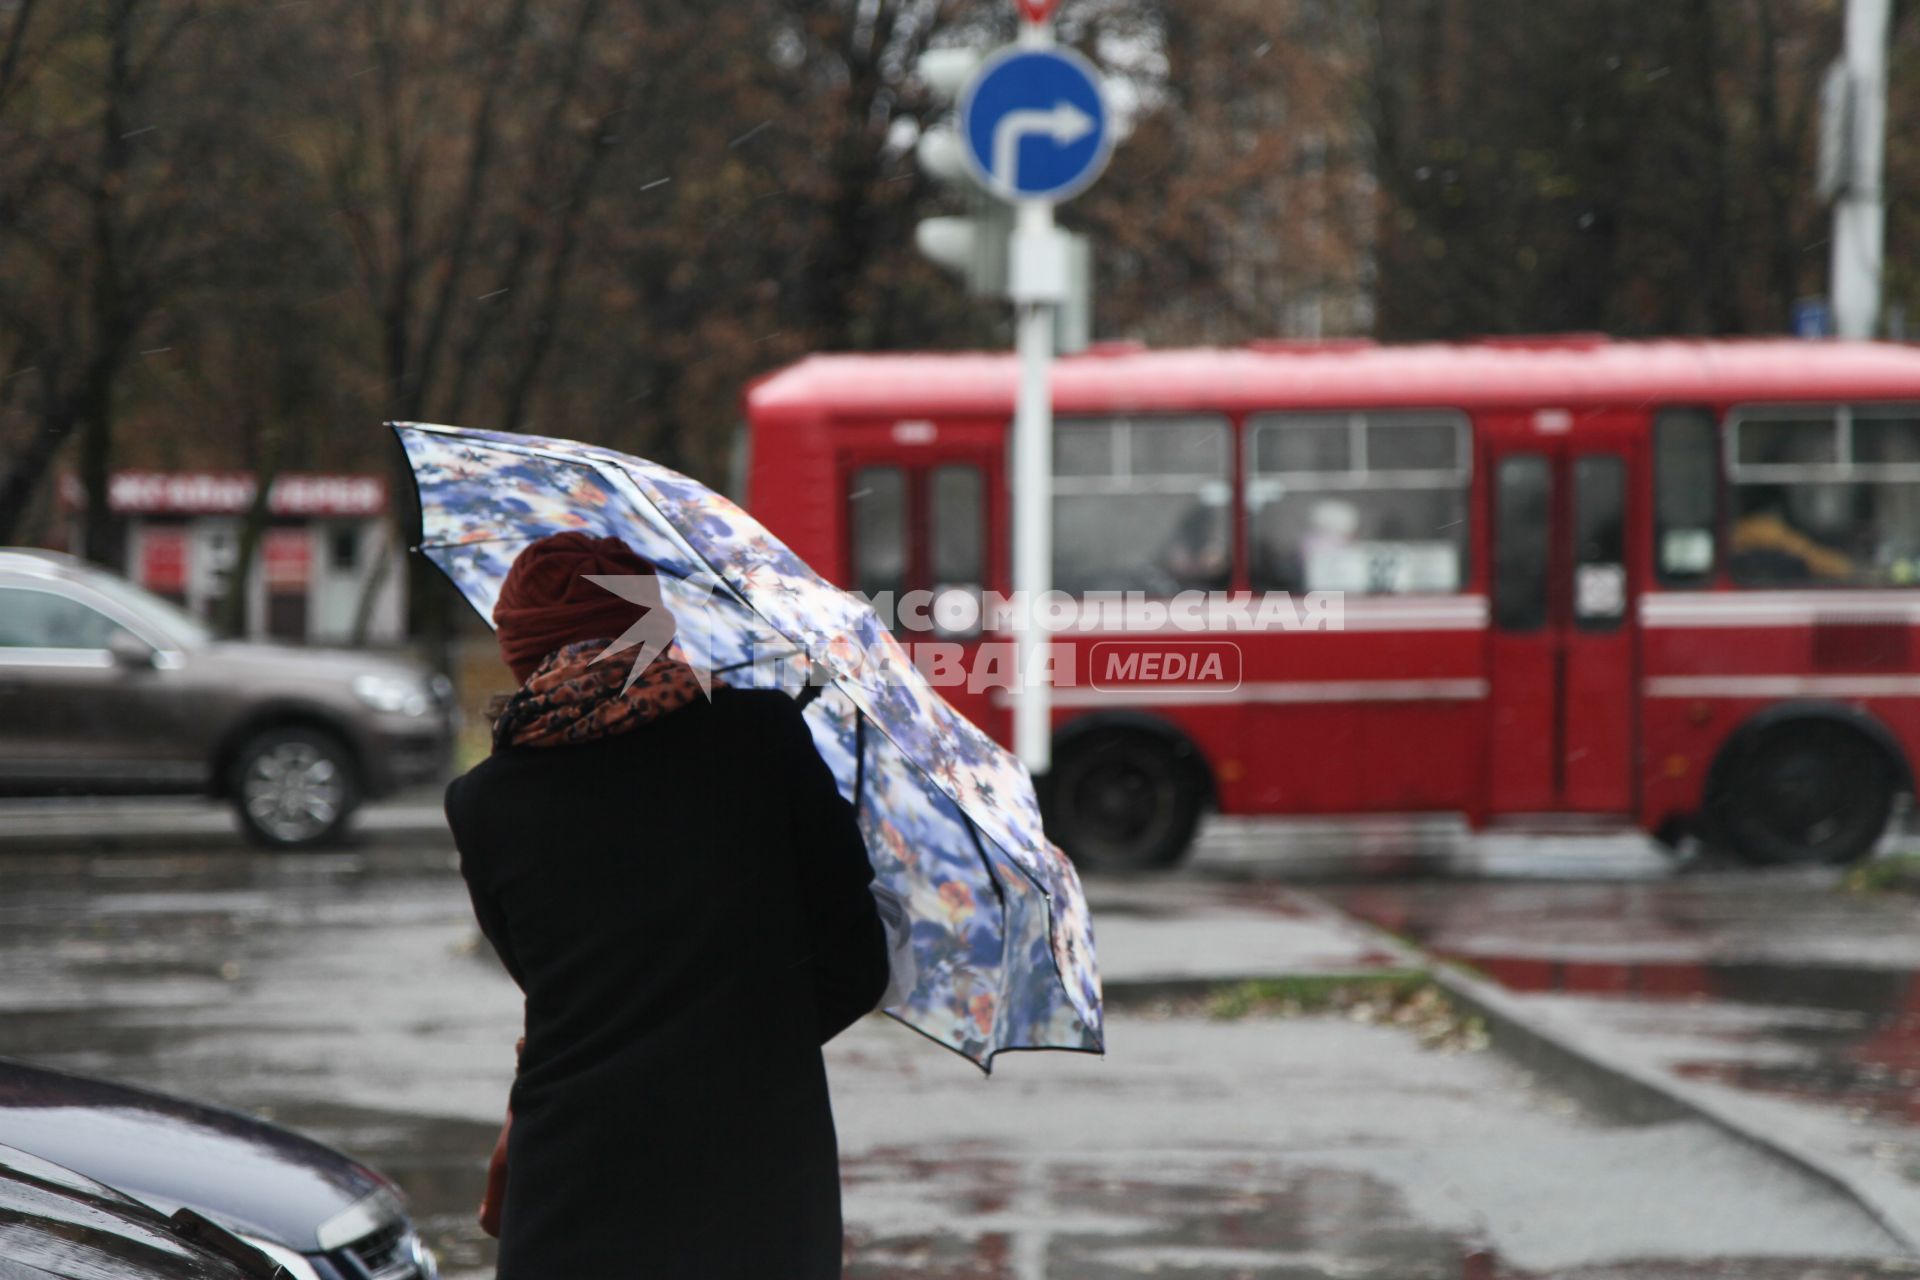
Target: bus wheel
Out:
[1808,792]
[1123,802]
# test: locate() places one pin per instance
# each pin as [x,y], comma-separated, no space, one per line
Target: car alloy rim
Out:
[294,791]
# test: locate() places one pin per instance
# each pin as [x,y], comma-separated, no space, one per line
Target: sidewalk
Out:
[1168,936]
[1781,1008]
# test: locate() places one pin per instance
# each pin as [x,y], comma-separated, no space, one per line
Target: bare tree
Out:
[101,110]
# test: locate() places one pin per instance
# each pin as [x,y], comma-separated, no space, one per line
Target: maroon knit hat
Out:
[547,602]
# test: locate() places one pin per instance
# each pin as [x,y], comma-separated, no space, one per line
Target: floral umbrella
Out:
[1002,941]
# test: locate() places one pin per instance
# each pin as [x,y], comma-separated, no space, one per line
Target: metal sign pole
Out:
[1033,474]
[1033,506]
[1860,214]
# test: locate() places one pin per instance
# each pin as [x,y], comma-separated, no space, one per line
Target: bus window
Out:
[957,535]
[878,502]
[1825,496]
[1599,542]
[958,526]
[1142,504]
[1686,495]
[1374,504]
[1522,532]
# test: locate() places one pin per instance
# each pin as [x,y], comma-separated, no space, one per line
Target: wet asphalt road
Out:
[347,994]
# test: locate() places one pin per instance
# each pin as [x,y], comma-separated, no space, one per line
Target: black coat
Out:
[686,908]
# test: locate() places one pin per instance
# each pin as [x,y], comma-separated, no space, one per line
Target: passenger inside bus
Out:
[1198,555]
[1399,542]
[1774,542]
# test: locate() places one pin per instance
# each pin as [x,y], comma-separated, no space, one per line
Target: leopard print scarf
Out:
[570,698]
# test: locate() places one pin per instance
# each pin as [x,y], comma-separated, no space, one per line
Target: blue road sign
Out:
[1035,124]
[1812,318]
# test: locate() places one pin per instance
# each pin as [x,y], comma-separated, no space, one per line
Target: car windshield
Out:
[180,626]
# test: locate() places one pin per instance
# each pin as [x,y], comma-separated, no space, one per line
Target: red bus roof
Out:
[1567,369]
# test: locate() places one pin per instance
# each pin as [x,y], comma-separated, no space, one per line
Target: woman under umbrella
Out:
[682,894]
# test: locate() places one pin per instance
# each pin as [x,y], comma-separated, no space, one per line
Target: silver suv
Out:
[106,689]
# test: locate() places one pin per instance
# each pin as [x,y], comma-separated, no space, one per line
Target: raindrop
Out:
[657,182]
[750,134]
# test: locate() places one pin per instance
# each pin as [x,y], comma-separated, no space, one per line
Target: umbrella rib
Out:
[973,832]
[859,758]
[622,478]
[756,661]
[470,542]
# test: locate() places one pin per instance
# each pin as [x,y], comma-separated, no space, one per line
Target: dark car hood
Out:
[244,1173]
[63,1224]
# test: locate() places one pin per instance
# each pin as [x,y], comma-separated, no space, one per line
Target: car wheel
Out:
[1123,802]
[293,787]
[1807,793]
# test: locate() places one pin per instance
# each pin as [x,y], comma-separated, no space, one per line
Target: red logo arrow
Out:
[1036,10]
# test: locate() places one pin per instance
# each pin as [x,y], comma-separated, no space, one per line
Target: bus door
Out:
[1562,658]
[921,527]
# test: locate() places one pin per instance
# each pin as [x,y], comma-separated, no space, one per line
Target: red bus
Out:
[1668,584]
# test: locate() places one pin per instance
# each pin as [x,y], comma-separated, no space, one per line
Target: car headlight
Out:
[423,1258]
[393,694]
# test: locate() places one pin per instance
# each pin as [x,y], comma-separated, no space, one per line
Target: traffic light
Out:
[972,246]
[975,245]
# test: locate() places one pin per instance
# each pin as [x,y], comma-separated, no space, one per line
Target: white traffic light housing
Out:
[972,246]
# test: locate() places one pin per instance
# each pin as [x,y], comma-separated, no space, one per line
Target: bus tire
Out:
[1124,801]
[1807,792]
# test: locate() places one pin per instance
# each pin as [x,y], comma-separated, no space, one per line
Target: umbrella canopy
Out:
[1001,936]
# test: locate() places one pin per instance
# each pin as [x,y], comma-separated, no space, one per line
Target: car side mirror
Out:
[130,651]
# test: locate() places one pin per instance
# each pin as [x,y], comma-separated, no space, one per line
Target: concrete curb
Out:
[1128,993]
[1623,1090]
[113,828]
[1621,1095]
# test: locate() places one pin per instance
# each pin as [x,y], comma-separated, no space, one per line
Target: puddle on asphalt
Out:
[972,1215]
[1862,1055]
[1836,1035]
[968,1213]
